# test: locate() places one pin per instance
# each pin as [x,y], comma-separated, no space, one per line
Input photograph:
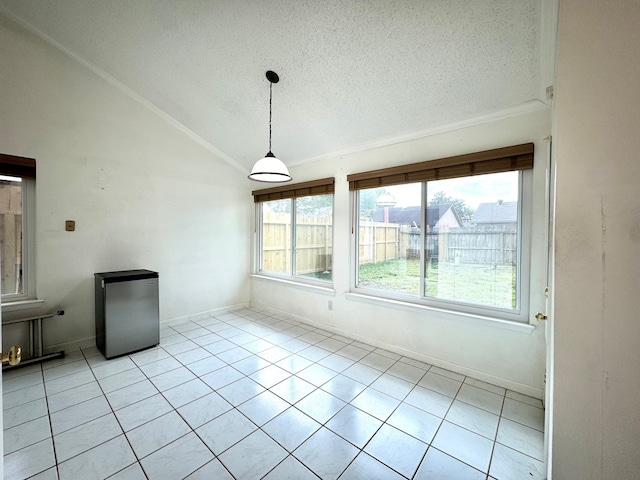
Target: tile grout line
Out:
[281,338]
[117,420]
[174,409]
[493,447]
[53,444]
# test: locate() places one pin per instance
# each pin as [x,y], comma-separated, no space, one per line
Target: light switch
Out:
[70,225]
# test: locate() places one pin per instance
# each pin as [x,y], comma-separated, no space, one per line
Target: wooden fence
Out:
[314,235]
[380,242]
[493,247]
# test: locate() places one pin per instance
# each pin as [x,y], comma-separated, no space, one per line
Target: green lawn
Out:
[397,275]
[492,285]
[318,275]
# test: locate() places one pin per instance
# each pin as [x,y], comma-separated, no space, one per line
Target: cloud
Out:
[473,190]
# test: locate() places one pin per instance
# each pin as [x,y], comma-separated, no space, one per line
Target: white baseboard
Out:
[91,341]
[438,362]
[461,369]
[71,346]
[202,315]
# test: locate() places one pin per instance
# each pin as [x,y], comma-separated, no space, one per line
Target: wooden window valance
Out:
[517,157]
[17,166]
[304,189]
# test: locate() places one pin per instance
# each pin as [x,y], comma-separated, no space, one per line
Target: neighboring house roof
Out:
[436,212]
[496,212]
[399,215]
[411,215]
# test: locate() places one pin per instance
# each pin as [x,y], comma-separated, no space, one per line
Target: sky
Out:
[473,190]
[11,179]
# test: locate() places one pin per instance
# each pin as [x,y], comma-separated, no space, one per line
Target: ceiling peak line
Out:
[521,109]
[125,90]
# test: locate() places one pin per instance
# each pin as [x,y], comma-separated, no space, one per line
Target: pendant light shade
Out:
[269,168]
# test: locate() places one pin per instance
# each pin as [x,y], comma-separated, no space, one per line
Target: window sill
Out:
[21,305]
[305,286]
[448,314]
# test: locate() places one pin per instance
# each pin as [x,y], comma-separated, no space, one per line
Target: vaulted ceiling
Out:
[352,72]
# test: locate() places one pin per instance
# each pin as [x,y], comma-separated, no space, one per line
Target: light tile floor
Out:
[247,395]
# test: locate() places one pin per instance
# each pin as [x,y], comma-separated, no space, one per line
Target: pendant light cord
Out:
[273,78]
[270,96]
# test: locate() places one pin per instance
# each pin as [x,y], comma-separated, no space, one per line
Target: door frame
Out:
[550,194]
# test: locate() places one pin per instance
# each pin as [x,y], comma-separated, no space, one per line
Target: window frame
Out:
[25,169]
[518,315]
[291,193]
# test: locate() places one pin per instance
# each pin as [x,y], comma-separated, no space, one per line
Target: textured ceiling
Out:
[353,72]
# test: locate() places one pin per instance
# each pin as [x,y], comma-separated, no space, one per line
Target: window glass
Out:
[472,240]
[276,236]
[389,238]
[445,241]
[301,248]
[11,248]
[313,236]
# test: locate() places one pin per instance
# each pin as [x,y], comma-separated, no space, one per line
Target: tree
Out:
[368,201]
[462,209]
[314,205]
[317,205]
[279,206]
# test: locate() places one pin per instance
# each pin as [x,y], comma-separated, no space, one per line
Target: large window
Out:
[17,177]
[457,242]
[295,232]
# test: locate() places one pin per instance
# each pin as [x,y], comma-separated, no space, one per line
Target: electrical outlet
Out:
[330,305]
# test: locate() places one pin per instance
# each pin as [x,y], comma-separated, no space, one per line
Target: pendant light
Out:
[270,169]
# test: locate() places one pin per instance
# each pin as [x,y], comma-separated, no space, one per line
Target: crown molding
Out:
[126,91]
[521,109]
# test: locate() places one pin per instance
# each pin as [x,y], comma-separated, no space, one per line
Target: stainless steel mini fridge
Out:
[127,311]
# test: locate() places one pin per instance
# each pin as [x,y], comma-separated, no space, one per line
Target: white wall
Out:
[512,359]
[597,331]
[143,194]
